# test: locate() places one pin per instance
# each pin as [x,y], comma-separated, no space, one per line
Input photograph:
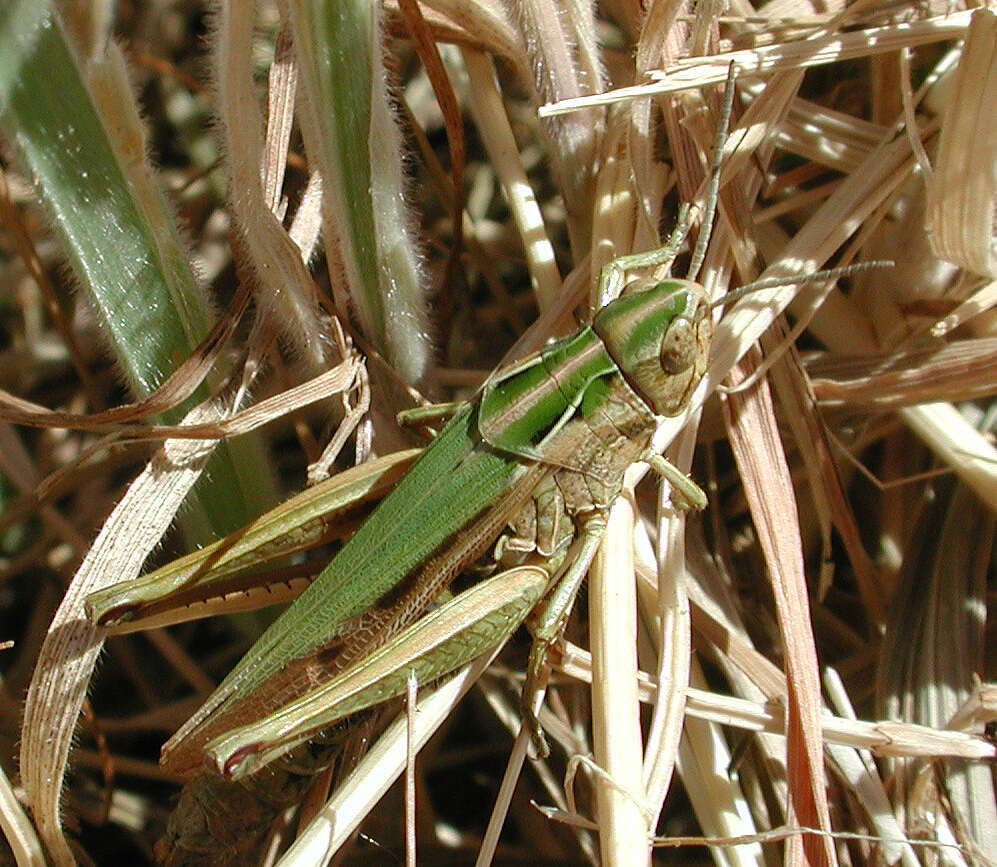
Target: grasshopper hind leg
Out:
[551,625]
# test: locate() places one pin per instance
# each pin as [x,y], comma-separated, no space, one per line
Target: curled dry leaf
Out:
[962,193]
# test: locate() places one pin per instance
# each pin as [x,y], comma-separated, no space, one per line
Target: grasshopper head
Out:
[660,339]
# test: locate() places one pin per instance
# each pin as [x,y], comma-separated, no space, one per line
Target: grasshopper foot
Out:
[686,494]
[537,673]
[423,419]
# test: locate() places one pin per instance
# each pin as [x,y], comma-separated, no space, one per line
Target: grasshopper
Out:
[543,448]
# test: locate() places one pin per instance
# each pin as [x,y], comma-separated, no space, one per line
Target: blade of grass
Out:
[768,487]
[353,140]
[71,648]
[79,135]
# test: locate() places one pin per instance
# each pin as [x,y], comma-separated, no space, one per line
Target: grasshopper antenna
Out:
[800,327]
[713,187]
[772,282]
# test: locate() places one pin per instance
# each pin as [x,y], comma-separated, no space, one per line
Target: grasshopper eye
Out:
[678,346]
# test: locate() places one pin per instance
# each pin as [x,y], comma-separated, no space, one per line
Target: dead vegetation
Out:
[813,652]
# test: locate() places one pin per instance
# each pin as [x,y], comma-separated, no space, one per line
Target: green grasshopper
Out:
[544,446]
[542,449]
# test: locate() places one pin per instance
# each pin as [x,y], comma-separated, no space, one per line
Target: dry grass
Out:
[811,652]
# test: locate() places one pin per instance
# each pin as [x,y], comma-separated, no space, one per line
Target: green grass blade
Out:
[79,135]
[352,138]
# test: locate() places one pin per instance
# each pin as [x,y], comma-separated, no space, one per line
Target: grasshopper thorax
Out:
[659,337]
